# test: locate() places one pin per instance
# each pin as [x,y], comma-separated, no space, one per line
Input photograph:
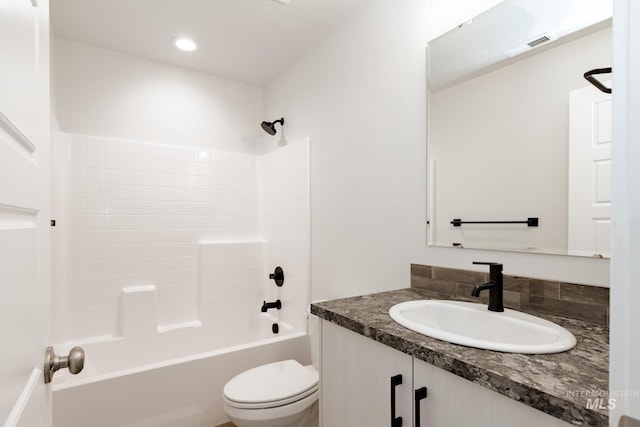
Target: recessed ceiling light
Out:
[185,44]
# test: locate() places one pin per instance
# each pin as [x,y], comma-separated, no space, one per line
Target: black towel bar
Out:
[531,222]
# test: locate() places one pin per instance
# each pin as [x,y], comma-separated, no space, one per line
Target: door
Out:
[453,401]
[356,381]
[24,212]
[590,127]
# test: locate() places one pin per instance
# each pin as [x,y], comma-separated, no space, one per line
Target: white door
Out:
[24,212]
[590,126]
[356,381]
[474,404]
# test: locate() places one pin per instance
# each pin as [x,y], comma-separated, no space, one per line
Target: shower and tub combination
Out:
[163,257]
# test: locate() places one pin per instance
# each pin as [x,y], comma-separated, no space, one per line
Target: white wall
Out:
[361,96]
[114,95]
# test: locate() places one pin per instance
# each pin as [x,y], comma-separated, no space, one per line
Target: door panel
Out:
[356,373]
[19,44]
[590,127]
[24,212]
[454,401]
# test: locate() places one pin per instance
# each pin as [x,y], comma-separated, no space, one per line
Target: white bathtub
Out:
[170,379]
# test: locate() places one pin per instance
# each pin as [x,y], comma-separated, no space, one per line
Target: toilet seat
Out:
[272,385]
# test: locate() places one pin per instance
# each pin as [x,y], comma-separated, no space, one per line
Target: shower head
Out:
[270,127]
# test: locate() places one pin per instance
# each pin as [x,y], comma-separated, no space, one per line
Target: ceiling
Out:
[480,45]
[245,40]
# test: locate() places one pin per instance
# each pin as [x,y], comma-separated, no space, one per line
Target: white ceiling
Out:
[246,40]
[479,45]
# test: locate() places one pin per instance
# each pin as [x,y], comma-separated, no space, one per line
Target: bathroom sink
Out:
[473,325]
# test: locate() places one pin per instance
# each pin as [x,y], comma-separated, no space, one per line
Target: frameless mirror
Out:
[519,143]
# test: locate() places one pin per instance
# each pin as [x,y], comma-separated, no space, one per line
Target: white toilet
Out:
[279,394]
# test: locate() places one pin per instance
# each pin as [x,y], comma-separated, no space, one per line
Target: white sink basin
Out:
[473,325]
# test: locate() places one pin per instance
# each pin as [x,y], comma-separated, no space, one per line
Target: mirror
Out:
[519,143]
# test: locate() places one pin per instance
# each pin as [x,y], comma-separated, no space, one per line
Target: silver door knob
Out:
[52,362]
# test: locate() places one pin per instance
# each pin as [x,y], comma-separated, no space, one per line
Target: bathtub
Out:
[170,379]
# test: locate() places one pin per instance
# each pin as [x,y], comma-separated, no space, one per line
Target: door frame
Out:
[624,382]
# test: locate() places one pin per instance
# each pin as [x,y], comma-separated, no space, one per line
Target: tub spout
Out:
[267,305]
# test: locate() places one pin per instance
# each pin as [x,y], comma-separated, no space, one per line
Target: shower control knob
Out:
[52,362]
[277,276]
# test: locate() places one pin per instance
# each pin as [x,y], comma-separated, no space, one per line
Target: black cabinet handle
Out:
[395,381]
[420,394]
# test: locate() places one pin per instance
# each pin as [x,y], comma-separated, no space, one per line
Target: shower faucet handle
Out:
[277,276]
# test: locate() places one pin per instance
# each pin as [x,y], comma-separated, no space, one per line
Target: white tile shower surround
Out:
[134,215]
[286,224]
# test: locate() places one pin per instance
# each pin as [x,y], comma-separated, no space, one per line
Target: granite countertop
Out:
[558,384]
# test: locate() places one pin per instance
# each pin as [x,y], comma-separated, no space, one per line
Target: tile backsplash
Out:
[588,303]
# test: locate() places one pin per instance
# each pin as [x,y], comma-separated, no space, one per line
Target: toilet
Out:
[279,394]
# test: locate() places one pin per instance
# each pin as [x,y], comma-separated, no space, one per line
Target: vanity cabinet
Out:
[356,380]
[356,390]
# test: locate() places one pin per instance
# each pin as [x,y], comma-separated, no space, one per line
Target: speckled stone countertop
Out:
[558,384]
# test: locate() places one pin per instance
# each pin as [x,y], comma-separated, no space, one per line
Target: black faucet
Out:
[267,305]
[494,285]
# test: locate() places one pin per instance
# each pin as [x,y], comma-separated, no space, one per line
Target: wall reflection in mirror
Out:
[516,132]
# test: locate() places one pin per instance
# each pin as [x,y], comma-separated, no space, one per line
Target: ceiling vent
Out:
[531,44]
[540,40]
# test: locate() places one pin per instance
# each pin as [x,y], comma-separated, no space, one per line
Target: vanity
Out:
[375,371]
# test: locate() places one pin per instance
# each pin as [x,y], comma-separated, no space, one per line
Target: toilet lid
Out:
[270,383]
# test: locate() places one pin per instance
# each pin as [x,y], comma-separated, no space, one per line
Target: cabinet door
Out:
[356,381]
[454,401]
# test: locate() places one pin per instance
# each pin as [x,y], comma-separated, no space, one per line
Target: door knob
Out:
[52,362]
